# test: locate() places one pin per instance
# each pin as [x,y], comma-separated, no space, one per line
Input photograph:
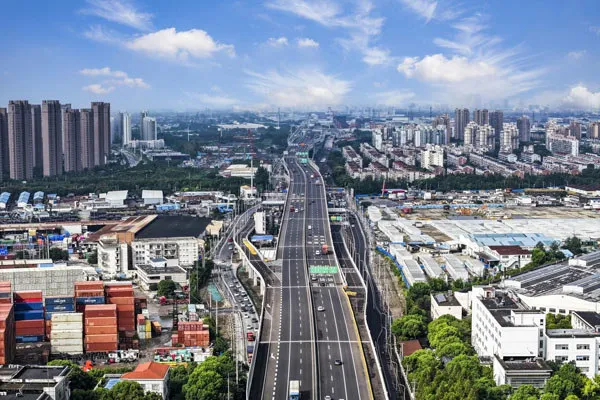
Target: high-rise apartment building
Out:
[470,134]
[143,115]
[36,131]
[20,140]
[124,123]
[593,131]
[461,119]
[101,132]
[72,140]
[575,129]
[86,143]
[509,138]
[4,166]
[481,117]
[524,127]
[52,149]
[497,122]
[149,128]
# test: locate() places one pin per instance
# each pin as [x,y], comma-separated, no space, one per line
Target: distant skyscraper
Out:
[124,122]
[575,129]
[461,119]
[481,117]
[101,132]
[51,138]
[524,127]
[149,128]
[470,134]
[72,140]
[4,166]
[20,140]
[86,143]
[497,122]
[143,115]
[36,131]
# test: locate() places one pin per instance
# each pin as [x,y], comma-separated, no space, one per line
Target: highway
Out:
[337,337]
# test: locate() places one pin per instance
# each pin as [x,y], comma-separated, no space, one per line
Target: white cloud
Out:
[277,42]
[106,71]
[307,42]
[581,97]
[100,34]
[116,78]
[576,55]
[213,99]
[361,26]
[98,88]
[424,8]
[121,12]
[393,97]
[477,68]
[302,88]
[179,46]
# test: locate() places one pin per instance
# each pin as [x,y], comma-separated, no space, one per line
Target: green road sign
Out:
[323,269]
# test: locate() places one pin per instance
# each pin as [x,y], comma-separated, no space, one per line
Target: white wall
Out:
[588,367]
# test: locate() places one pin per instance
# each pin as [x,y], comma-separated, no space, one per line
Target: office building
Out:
[36,131]
[149,128]
[4,166]
[481,117]
[86,143]
[524,127]
[461,119]
[72,140]
[20,140]
[52,150]
[101,113]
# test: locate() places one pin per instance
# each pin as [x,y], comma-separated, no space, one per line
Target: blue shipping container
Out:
[29,306]
[28,315]
[60,308]
[51,301]
[29,339]
[90,300]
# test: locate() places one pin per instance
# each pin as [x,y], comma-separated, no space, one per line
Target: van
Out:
[309,227]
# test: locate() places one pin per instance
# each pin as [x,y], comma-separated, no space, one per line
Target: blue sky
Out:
[302,54]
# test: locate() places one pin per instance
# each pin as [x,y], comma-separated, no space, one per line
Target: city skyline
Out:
[304,54]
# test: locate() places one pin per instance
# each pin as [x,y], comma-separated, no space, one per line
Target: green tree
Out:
[566,381]
[525,392]
[167,288]
[422,367]
[558,321]
[573,244]
[208,380]
[129,390]
[220,346]
[78,380]
[92,258]
[261,179]
[178,376]
[57,254]
[409,327]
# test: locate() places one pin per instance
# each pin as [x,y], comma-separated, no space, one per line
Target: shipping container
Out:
[37,306]
[60,308]
[106,338]
[92,311]
[101,321]
[100,347]
[99,330]
[53,301]
[67,349]
[29,339]
[68,326]
[67,342]
[28,296]
[31,324]
[60,334]
[28,315]
[90,300]
[67,317]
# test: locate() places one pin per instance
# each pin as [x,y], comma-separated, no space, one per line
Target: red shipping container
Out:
[101,321]
[30,332]
[120,300]
[33,323]
[106,338]
[89,293]
[100,310]
[101,347]
[89,285]
[29,296]
[99,330]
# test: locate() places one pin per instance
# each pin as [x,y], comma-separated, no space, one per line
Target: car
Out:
[327,397]
[255,320]
[249,327]
[317,252]
[320,308]
[323,284]
[338,362]
[314,278]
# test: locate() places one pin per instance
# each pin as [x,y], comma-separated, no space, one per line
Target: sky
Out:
[302,54]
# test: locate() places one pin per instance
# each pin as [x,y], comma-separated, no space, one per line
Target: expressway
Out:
[337,337]
[287,338]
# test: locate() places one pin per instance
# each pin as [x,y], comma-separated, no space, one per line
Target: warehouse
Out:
[152,197]
[52,281]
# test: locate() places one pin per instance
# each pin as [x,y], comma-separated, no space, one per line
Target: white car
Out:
[318,252]
[320,308]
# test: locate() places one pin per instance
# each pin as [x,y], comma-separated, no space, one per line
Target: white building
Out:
[152,197]
[239,171]
[149,129]
[432,157]
[158,269]
[260,225]
[521,372]
[152,376]
[183,249]
[445,304]
[116,198]
[113,257]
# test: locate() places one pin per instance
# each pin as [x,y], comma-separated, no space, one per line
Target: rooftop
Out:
[148,370]
[589,317]
[571,333]
[410,346]
[41,372]
[151,270]
[510,250]
[537,364]
[174,226]
[446,299]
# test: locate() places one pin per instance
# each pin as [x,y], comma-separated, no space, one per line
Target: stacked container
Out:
[193,334]
[30,326]
[7,334]
[144,327]
[91,292]
[101,333]
[121,294]
[5,292]
[57,305]
[67,333]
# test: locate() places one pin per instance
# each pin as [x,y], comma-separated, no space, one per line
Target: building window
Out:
[583,347]
[582,358]
[156,388]
[561,347]
[561,311]
[541,343]
[552,310]
[561,358]
[542,321]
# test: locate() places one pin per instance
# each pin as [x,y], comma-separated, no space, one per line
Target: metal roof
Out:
[152,194]
[24,197]
[116,195]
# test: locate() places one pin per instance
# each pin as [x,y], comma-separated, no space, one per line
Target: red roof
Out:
[410,346]
[510,250]
[148,370]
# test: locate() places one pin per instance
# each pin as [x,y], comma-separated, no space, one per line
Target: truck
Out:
[250,336]
[325,249]
[292,209]
[294,390]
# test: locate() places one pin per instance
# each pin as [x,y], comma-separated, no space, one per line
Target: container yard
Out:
[192,334]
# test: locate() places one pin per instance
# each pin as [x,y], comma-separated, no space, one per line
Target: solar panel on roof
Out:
[440,298]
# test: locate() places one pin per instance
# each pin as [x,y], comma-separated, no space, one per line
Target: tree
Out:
[573,244]
[558,321]
[221,346]
[93,257]
[566,381]
[525,392]
[167,288]
[129,390]
[409,327]
[178,376]
[422,367]
[57,254]
[78,380]
[261,178]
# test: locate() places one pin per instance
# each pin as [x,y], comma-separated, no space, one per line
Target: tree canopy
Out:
[166,288]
